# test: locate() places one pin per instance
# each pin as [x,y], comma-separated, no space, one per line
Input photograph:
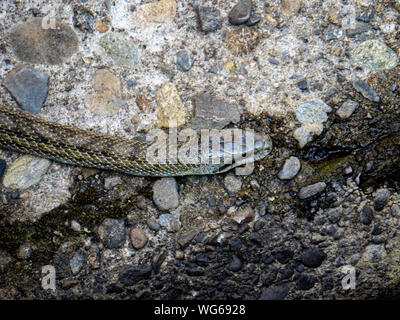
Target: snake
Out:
[24,133]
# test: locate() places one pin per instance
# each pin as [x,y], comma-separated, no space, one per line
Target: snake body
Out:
[24,133]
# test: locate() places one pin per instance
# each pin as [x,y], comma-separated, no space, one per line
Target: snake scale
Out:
[26,134]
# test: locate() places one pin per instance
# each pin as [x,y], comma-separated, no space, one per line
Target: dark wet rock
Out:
[210,18]
[270,276]
[213,113]
[158,260]
[302,85]
[153,225]
[284,255]
[184,60]
[367,92]
[133,274]
[165,194]
[34,44]
[290,169]
[76,262]
[311,190]
[313,257]
[28,87]
[335,214]
[186,238]
[241,12]
[286,273]
[305,282]
[254,19]
[235,264]
[195,272]
[381,199]
[327,283]
[83,19]
[274,293]
[366,216]
[236,244]
[201,259]
[377,230]
[258,225]
[3,165]
[367,15]
[112,233]
[347,109]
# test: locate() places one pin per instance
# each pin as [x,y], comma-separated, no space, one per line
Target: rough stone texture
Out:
[381,199]
[170,110]
[34,44]
[347,109]
[290,7]
[312,114]
[313,257]
[133,274]
[274,293]
[376,55]
[120,49]
[112,233]
[157,12]
[210,19]
[165,194]
[232,183]
[138,238]
[184,60]
[25,172]
[213,113]
[28,87]
[367,92]
[311,190]
[243,215]
[290,169]
[241,12]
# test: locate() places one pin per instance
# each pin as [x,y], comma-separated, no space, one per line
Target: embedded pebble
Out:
[347,109]
[121,49]
[76,262]
[133,274]
[313,257]
[186,238]
[241,12]
[235,264]
[153,225]
[112,233]
[363,87]
[311,190]
[381,199]
[375,55]
[169,222]
[274,293]
[108,98]
[366,216]
[213,113]
[232,183]
[34,44]
[210,18]
[83,19]
[157,12]
[75,226]
[138,238]
[312,114]
[184,60]
[290,7]
[170,110]
[28,87]
[111,182]
[290,169]
[25,172]
[165,194]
